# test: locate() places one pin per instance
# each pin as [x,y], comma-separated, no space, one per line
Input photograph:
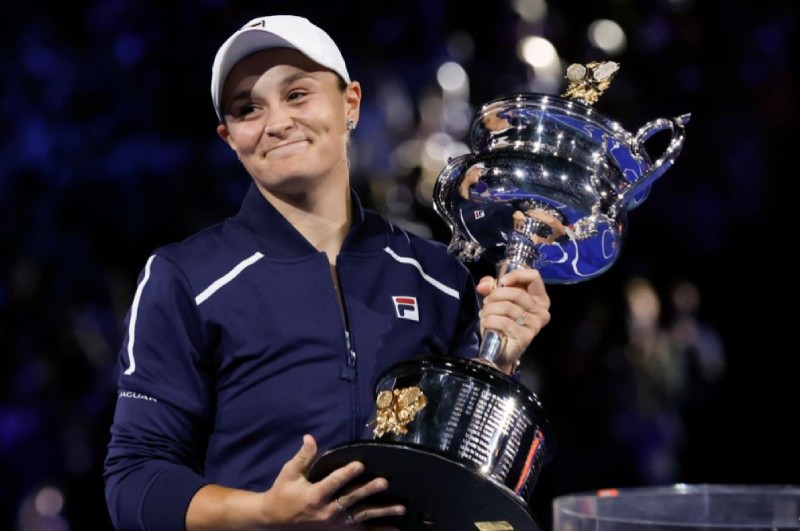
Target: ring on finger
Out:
[351,520]
[521,319]
[339,505]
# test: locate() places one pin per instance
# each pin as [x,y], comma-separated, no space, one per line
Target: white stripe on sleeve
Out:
[134,314]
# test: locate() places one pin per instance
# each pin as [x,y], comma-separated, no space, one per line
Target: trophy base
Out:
[438,493]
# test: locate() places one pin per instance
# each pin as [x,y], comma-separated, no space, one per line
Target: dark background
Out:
[108,150]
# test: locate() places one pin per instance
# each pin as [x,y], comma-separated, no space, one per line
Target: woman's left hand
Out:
[517,307]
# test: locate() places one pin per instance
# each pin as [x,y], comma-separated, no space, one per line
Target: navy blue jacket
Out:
[236,346]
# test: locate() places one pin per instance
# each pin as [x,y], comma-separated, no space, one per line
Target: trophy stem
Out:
[521,253]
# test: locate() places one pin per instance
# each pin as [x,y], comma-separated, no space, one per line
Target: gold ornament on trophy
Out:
[587,82]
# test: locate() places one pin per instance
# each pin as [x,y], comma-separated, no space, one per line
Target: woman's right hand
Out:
[336,502]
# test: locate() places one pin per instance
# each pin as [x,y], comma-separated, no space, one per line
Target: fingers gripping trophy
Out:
[547,184]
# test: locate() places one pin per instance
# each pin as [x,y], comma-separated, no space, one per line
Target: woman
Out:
[255,343]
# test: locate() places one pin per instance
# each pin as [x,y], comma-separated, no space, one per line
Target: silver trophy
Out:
[547,185]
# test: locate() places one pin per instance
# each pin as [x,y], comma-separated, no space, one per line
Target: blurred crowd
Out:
[631,392]
[109,150]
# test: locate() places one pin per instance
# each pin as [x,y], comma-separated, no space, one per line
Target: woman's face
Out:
[286,118]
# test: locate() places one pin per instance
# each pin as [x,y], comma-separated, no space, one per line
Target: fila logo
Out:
[406,307]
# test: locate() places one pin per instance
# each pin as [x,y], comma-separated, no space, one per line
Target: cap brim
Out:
[241,45]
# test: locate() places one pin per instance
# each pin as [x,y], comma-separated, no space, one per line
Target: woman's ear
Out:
[352,98]
[224,134]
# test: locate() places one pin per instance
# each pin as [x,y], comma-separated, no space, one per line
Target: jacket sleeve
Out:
[153,466]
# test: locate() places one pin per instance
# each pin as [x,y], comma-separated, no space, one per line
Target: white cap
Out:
[277,31]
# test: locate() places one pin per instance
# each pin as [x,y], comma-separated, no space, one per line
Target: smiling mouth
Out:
[290,144]
[286,147]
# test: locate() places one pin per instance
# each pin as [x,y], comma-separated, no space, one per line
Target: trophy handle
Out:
[629,199]
[443,190]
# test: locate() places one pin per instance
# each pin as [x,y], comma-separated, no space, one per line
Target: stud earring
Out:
[350,124]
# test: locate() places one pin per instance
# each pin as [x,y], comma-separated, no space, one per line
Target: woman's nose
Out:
[278,123]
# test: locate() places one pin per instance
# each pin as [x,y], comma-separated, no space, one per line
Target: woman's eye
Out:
[244,110]
[240,112]
[295,95]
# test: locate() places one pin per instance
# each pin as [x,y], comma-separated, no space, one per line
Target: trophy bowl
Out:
[567,171]
[547,184]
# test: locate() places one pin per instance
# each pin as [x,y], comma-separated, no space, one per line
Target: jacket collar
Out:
[281,240]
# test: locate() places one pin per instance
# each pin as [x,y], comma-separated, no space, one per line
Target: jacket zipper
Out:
[349,372]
